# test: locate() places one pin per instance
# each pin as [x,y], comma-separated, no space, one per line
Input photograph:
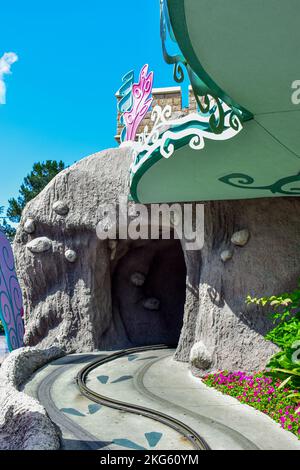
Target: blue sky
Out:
[60,96]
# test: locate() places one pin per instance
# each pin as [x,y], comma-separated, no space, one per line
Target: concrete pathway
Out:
[153,380]
[3,348]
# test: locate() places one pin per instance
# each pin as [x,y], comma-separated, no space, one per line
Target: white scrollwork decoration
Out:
[168,129]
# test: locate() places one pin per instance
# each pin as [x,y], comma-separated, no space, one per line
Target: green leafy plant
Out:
[5,227]
[285,365]
[1,328]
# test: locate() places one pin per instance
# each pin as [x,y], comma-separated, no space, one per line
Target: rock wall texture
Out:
[148,312]
[24,423]
[263,237]
[69,303]
[83,294]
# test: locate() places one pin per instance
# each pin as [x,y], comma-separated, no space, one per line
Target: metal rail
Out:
[197,441]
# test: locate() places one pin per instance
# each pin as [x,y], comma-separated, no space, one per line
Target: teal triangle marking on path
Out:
[123,379]
[72,411]
[94,408]
[153,438]
[132,357]
[128,444]
[103,379]
[148,358]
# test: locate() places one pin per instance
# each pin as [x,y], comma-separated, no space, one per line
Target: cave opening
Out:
[149,292]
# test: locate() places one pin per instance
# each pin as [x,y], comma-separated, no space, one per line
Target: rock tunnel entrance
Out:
[148,292]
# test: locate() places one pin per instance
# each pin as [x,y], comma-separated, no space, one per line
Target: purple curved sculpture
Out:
[142,100]
[11,304]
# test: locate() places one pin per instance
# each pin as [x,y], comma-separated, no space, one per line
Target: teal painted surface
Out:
[173,14]
[103,379]
[73,412]
[248,48]
[191,175]
[253,66]
[132,357]
[94,408]
[153,438]
[124,378]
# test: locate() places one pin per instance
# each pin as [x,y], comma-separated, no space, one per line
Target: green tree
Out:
[41,174]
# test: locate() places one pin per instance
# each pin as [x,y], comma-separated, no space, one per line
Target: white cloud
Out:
[6,61]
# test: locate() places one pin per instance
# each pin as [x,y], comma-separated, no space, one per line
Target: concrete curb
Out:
[24,423]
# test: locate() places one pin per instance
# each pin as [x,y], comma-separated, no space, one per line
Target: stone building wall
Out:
[162,97]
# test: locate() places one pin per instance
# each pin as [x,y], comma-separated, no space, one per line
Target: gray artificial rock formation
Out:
[200,357]
[39,245]
[71,256]
[61,208]
[151,304]
[29,226]
[232,331]
[240,238]
[93,304]
[138,279]
[24,423]
[70,304]
[226,255]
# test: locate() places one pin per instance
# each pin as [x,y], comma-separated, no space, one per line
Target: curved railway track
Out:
[192,436]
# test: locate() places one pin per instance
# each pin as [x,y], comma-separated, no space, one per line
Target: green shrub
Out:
[285,365]
[1,328]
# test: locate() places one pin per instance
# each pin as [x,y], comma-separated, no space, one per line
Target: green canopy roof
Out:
[245,53]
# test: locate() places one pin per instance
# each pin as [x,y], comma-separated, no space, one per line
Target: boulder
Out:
[226,255]
[61,208]
[200,357]
[29,226]
[71,256]
[240,238]
[138,279]
[24,423]
[151,304]
[39,245]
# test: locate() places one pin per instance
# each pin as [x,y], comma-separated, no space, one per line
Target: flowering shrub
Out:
[262,392]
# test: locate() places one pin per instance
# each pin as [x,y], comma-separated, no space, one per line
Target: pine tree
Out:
[41,174]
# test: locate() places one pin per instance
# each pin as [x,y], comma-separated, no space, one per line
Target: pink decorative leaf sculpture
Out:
[142,101]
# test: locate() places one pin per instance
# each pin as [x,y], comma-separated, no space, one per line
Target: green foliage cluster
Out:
[5,227]
[41,174]
[285,365]
[1,328]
